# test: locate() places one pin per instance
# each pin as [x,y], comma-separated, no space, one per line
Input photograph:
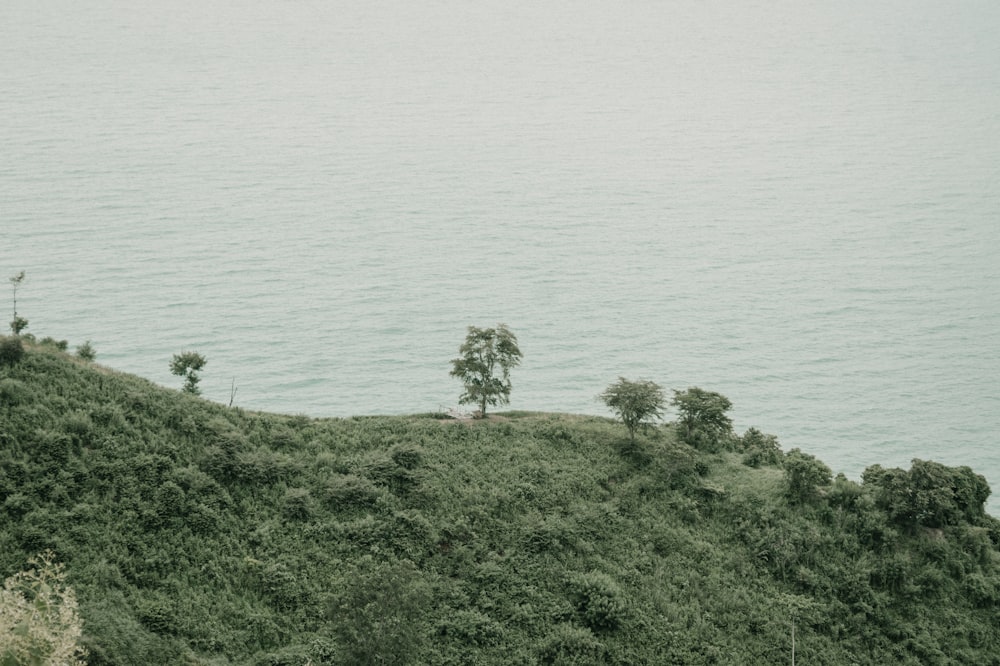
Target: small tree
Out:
[636,403]
[187,365]
[703,419]
[485,353]
[86,351]
[17,324]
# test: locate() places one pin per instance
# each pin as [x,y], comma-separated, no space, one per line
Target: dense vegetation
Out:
[194,533]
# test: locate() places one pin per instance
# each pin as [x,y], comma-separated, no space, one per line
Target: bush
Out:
[803,473]
[569,644]
[407,456]
[929,494]
[379,618]
[11,351]
[760,448]
[599,600]
[472,628]
[47,341]
[296,504]
[13,392]
[347,491]
[86,351]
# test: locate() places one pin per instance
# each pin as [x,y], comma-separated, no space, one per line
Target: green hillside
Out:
[195,533]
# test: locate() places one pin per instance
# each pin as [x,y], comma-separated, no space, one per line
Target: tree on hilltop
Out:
[17,324]
[187,365]
[703,419]
[636,403]
[487,356]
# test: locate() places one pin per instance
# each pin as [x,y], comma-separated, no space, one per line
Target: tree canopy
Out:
[187,365]
[637,403]
[484,366]
[703,419]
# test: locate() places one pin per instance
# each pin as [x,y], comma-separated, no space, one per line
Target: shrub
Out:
[570,644]
[803,473]
[86,351]
[47,341]
[407,456]
[13,392]
[760,448]
[929,494]
[11,351]
[157,615]
[347,491]
[296,504]
[472,628]
[599,600]
[379,618]
[78,426]
[170,500]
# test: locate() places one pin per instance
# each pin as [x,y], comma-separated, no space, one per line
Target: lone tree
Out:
[485,353]
[17,324]
[187,365]
[703,419]
[636,403]
[86,351]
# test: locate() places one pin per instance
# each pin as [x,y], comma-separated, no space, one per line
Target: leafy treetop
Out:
[703,419]
[636,403]
[486,358]
[187,365]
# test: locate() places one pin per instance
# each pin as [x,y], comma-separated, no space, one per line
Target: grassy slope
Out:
[196,533]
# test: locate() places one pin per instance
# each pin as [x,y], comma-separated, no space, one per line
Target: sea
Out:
[794,203]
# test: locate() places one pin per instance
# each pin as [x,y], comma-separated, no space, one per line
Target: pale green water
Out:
[793,203]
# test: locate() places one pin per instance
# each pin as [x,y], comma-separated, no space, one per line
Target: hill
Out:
[194,533]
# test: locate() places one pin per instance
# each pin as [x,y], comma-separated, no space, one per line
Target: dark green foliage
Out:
[13,393]
[193,533]
[11,351]
[599,600]
[804,474]
[702,418]
[297,504]
[381,616]
[567,645]
[760,449]
[344,492]
[929,494]
[637,403]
